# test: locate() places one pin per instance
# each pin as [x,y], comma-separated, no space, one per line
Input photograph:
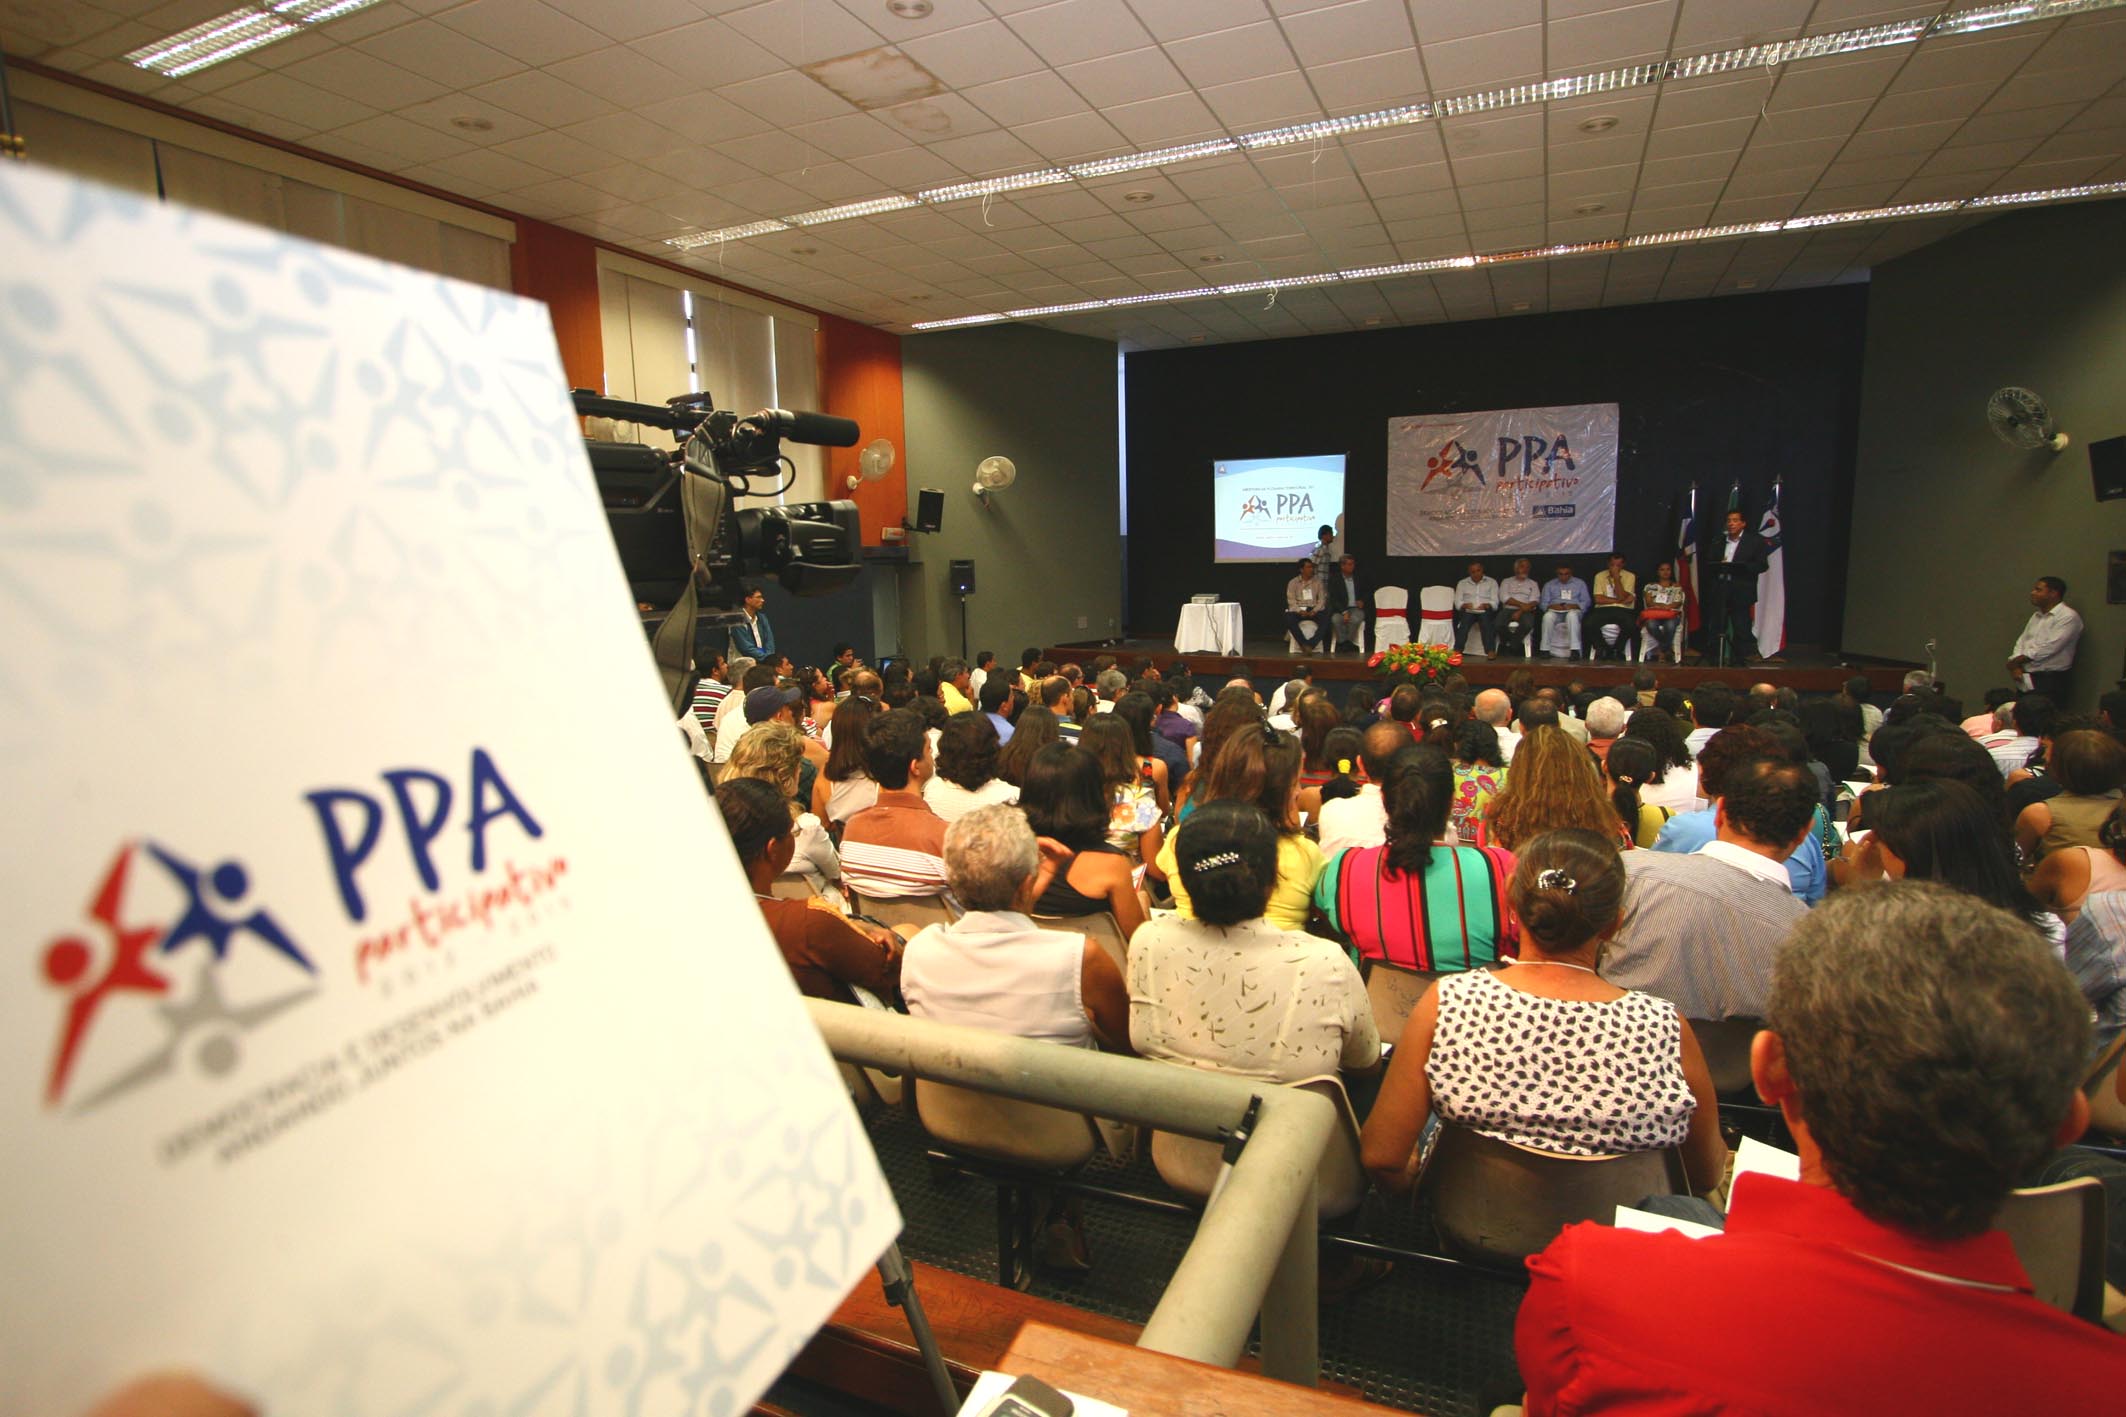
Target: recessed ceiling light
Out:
[1519,305]
[1745,285]
[1600,124]
[240,31]
[1590,208]
[1210,258]
[1140,195]
[1372,320]
[473,123]
[804,250]
[909,9]
[1195,339]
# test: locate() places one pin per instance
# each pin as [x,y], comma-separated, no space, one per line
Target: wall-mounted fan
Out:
[2021,420]
[874,462]
[991,475]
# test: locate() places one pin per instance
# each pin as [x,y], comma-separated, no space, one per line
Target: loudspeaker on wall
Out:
[963,578]
[2107,468]
[929,508]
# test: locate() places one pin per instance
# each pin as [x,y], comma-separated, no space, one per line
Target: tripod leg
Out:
[899,1284]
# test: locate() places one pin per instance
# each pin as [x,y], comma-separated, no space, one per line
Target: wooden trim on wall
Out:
[560,267]
[860,378]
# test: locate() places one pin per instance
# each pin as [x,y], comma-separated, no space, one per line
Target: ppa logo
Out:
[172,952]
[1255,506]
[1451,462]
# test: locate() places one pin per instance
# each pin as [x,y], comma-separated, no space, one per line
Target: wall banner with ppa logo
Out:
[1505,482]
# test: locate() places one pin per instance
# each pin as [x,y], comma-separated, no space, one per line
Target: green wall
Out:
[1048,549]
[1951,525]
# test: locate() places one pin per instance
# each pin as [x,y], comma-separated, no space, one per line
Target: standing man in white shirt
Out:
[2044,653]
[1520,604]
[1476,602]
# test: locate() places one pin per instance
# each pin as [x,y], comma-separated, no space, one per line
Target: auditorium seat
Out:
[1029,1141]
[1105,930]
[891,911]
[1391,619]
[1726,1046]
[1393,991]
[1191,1165]
[1435,605]
[2058,1233]
[1496,1203]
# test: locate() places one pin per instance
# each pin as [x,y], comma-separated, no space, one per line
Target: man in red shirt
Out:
[1924,1050]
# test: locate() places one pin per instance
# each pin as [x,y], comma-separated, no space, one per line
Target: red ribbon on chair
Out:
[1389,615]
[1435,614]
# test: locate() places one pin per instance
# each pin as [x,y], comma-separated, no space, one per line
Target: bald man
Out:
[1495,708]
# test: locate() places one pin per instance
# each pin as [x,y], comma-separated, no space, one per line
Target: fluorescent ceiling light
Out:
[240,31]
[1689,236]
[1754,56]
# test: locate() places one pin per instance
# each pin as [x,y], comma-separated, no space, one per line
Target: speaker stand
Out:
[963,629]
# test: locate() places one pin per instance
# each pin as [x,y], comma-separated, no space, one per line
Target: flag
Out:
[1687,556]
[1771,585]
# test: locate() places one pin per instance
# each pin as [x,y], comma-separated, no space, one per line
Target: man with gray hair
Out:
[1495,708]
[993,967]
[1111,684]
[1923,1049]
[1606,718]
[1918,681]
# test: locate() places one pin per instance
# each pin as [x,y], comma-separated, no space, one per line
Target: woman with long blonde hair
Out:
[1554,784]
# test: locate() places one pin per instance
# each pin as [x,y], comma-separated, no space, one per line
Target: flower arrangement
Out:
[1424,663]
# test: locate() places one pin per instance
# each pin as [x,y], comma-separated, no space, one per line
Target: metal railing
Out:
[1254,1250]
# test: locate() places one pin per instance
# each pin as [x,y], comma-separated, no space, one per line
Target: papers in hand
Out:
[1754,1155]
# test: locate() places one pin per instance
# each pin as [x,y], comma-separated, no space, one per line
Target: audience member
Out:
[1359,712]
[1133,805]
[1943,831]
[770,753]
[2090,768]
[1711,706]
[1727,753]
[845,787]
[1412,902]
[1943,755]
[1674,784]
[1701,930]
[2065,879]
[709,689]
[1232,991]
[1036,729]
[826,953]
[894,847]
[1836,1292]
[1546,1053]
[1830,738]
[1066,801]
[1001,701]
[2017,727]
[1605,721]
[731,722]
[1228,716]
[984,661]
[1627,777]
[1492,706]
[1110,685]
[1362,820]
[1168,766]
[1260,766]
[1553,784]
[1479,773]
[966,776]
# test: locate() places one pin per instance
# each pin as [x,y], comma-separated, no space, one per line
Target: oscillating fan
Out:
[992,474]
[874,462]
[2021,420]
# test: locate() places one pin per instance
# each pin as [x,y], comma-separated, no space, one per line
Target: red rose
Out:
[1454,659]
[1374,662]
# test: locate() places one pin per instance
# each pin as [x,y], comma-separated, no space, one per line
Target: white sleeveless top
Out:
[850,796]
[995,969]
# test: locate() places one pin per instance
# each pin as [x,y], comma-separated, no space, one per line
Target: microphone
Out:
[821,429]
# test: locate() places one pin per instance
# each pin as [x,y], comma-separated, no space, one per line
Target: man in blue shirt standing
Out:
[1565,600]
[753,637]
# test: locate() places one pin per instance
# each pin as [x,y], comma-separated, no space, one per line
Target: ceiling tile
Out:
[707,119]
[1402,181]
[555,152]
[986,154]
[291,100]
[1129,77]
[543,99]
[907,169]
[1726,136]
[619,75]
[709,53]
[437,52]
[976,54]
[786,97]
[1607,38]
[526,30]
[804,31]
[1075,137]
[1712,100]
[1266,102]
[639,18]
[406,142]
[1228,56]
[1376,81]
[1076,30]
[1717,24]
[1485,61]
[364,78]
[1349,31]
[1495,167]
[1889,142]
[1173,119]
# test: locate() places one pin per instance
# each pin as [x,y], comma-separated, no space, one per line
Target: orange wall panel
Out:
[561,268]
[860,378]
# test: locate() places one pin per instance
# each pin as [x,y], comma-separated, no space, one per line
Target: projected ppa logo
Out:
[156,923]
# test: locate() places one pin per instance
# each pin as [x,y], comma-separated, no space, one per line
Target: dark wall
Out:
[1957,523]
[1747,387]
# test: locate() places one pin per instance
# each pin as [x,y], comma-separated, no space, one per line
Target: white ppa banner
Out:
[378,1037]
[1504,482]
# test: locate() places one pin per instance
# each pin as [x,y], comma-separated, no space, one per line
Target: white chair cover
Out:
[1390,629]
[1436,600]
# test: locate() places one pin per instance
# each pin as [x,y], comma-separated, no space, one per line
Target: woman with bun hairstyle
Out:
[1231,991]
[1584,1068]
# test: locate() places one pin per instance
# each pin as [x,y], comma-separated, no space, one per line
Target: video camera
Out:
[670,511]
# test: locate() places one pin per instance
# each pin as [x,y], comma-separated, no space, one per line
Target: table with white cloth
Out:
[1209,629]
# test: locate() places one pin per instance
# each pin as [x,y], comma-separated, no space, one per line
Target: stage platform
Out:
[1266,660]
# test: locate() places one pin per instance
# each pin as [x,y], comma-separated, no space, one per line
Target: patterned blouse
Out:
[1610,1078]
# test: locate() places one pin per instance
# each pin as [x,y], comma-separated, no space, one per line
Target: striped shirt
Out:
[1700,932]
[894,849]
[1451,916]
[707,695]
